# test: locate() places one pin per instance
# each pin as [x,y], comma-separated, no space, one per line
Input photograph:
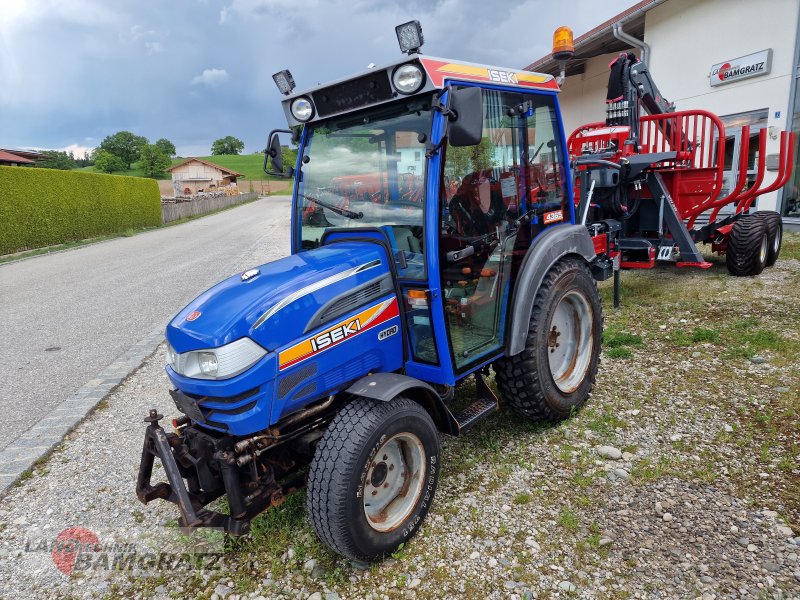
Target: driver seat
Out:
[406,240]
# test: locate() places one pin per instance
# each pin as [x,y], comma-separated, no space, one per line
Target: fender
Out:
[549,247]
[384,387]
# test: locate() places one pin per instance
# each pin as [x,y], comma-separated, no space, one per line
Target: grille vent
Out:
[349,302]
[294,378]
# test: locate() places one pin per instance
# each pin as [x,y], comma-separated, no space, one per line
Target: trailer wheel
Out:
[774,233]
[748,247]
[373,477]
[555,372]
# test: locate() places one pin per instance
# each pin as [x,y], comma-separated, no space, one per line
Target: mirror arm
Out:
[432,149]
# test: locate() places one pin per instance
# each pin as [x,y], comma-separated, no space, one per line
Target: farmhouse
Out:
[19,158]
[197,175]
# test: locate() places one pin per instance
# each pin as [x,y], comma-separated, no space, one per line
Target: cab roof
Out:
[373,87]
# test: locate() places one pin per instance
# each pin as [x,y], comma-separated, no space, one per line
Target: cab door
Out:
[518,165]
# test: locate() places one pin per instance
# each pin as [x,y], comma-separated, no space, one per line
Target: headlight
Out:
[408,79]
[216,363]
[172,356]
[208,363]
[302,109]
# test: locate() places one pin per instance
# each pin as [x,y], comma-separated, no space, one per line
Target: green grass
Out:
[569,520]
[705,335]
[614,339]
[249,165]
[522,498]
[618,353]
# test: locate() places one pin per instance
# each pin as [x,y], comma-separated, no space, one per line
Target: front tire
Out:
[748,247]
[774,233]
[555,372]
[373,477]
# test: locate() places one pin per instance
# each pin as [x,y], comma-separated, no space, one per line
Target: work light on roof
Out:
[409,36]
[284,81]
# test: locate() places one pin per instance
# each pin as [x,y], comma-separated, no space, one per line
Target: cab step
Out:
[476,412]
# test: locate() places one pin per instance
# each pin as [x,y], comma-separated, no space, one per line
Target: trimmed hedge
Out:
[43,207]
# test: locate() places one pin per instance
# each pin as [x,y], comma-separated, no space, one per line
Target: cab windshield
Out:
[368,170]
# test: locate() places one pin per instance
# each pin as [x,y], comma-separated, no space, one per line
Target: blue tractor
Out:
[434,239]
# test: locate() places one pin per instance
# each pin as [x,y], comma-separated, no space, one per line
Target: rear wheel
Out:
[555,372]
[373,477]
[774,233]
[748,247]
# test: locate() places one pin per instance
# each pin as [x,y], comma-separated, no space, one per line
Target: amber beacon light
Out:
[563,44]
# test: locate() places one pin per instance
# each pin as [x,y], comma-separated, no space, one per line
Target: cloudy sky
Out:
[74,71]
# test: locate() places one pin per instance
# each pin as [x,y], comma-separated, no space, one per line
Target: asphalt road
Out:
[66,316]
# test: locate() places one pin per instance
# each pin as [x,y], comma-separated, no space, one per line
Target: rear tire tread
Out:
[774,223]
[744,243]
[518,379]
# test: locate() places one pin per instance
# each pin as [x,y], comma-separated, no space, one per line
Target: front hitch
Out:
[156,443]
[182,466]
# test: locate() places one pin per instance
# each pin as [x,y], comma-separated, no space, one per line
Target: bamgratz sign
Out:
[752,65]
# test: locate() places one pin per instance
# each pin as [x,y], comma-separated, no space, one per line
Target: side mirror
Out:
[272,155]
[467,128]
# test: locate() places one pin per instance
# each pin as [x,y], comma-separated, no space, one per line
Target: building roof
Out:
[225,170]
[15,158]
[30,154]
[600,40]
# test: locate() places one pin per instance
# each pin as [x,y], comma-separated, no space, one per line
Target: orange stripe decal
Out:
[342,331]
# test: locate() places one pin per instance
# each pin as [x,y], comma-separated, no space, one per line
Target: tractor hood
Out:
[279,301]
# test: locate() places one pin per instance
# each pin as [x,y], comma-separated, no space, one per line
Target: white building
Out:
[689,42]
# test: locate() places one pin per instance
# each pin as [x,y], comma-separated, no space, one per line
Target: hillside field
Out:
[249,165]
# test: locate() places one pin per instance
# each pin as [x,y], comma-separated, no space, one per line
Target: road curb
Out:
[38,441]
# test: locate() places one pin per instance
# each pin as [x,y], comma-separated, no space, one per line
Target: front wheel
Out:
[373,477]
[555,372]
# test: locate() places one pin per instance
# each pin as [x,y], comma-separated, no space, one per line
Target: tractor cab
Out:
[455,168]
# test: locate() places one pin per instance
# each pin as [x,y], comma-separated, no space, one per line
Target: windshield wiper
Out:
[339,211]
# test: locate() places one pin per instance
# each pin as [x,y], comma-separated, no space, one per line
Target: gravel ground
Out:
[679,479]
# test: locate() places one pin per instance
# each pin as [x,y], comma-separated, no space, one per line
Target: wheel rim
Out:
[569,341]
[776,243]
[394,481]
[763,250]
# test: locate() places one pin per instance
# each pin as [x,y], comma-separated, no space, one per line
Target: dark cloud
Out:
[74,71]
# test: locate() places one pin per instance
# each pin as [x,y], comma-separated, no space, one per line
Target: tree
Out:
[153,161]
[107,162]
[124,145]
[227,145]
[57,160]
[166,146]
[86,161]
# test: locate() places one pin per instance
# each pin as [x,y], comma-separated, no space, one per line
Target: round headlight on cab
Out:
[407,79]
[302,109]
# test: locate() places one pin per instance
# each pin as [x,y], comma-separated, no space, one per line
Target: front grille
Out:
[306,390]
[225,400]
[288,383]
[234,411]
